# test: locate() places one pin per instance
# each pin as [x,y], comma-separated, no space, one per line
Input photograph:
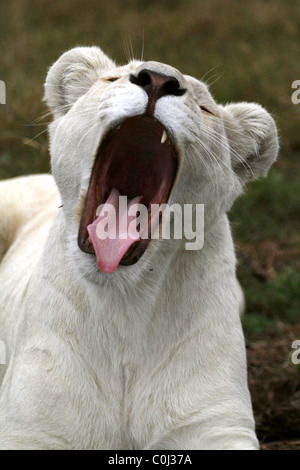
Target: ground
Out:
[274,380]
[275,388]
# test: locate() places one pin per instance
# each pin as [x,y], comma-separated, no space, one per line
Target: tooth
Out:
[164,137]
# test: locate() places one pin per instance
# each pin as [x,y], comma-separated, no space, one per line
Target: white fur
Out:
[135,359]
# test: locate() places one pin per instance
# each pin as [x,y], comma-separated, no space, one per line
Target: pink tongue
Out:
[112,233]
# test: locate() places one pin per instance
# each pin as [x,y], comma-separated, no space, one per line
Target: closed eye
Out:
[112,79]
[207,110]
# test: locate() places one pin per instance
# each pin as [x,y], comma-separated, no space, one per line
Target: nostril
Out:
[156,85]
[143,79]
[172,87]
[153,81]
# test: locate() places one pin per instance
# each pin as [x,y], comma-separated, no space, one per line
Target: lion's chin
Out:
[137,160]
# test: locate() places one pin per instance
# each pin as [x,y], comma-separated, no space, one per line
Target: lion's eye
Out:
[112,79]
[206,110]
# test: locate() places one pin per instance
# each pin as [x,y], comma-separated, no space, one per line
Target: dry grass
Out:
[249,48]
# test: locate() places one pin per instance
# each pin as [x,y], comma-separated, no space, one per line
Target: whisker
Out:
[128,49]
[212,154]
[37,121]
[220,75]
[219,138]
[143,46]
[88,132]
[216,138]
[232,129]
[28,141]
[131,48]
[202,79]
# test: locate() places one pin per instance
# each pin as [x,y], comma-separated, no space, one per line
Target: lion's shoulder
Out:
[21,199]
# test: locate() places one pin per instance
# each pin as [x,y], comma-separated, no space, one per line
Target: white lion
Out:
[148,354]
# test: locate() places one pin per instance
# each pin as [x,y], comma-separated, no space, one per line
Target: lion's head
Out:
[150,132]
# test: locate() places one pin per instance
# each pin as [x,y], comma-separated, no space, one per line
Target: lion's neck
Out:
[173,295]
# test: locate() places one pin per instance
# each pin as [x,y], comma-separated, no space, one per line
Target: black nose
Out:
[156,85]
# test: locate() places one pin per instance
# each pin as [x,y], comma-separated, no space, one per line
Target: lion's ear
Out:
[72,76]
[252,137]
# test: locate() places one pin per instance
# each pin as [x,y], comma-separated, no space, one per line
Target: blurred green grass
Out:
[248,51]
[269,208]
[271,303]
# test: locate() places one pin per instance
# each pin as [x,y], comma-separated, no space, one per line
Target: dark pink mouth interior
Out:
[138,160]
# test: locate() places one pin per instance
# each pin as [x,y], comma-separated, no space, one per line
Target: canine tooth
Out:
[164,137]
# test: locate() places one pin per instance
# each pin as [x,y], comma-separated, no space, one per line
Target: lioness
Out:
[127,347]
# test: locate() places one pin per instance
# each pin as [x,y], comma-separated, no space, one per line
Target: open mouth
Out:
[136,160]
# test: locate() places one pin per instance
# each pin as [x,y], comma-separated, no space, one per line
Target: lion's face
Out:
[154,135]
